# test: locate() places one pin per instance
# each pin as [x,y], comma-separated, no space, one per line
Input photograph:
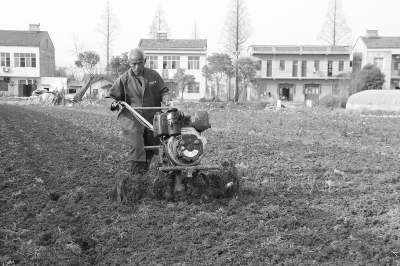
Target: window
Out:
[269,68]
[312,89]
[378,62]
[152,61]
[341,65]
[3,85]
[5,59]
[396,63]
[194,88]
[330,63]
[70,90]
[304,68]
[24,60]
[281,65]
[193,62]
[259,64]
[171,62]
[316,65]
[295,68]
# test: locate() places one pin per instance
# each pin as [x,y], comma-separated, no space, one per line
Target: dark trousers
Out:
[137,136]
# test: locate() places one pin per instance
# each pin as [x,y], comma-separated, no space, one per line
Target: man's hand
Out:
[114,106]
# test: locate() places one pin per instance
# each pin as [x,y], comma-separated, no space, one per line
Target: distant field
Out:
[319,187]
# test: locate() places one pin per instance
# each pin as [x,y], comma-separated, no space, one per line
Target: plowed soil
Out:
[318,187]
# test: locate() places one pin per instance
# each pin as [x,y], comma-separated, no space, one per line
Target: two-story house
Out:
[27,62]
[299,73]
[383,52]
[167,55]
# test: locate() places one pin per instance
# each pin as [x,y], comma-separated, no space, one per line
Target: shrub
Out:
[332,101]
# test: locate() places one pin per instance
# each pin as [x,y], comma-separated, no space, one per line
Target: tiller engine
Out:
[182,146]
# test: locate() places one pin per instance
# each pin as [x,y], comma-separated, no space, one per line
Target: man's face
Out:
[137,62]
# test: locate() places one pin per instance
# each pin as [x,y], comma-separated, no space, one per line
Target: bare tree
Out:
[108,28]
[78,45]
[335,30]
[159,23]
[195,34]
[236,32]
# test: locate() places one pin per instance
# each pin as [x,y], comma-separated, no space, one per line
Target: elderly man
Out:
[138,87]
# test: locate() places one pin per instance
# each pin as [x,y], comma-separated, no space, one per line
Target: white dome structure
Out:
[375,100]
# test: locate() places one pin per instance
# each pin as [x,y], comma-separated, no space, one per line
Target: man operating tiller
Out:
[138,87]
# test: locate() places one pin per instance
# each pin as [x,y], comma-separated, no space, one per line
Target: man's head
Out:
[137,60]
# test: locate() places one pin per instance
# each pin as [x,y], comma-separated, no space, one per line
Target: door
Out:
[311,91]
[25,88]
[286,91]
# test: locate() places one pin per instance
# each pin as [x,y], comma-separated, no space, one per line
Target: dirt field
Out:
[319,187]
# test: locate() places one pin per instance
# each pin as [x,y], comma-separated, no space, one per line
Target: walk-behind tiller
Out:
[182,147]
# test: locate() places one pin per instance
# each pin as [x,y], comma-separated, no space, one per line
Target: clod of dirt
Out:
[54,196]
[221,183]
[46,239]
[85,243]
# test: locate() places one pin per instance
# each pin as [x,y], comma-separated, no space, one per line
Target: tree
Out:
[369,78]
[108,28]
[159,23]
[237,31]
[219,65]
[183,80]
[61,71]
[78,46]
[119,64]
[247,70]
[196,34]
[87,61]
[335,30]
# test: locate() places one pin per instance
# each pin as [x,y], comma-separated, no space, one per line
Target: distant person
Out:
[138,87]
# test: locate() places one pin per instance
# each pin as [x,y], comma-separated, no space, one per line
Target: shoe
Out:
[138,167]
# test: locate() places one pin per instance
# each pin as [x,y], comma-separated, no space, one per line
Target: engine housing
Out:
[185,149]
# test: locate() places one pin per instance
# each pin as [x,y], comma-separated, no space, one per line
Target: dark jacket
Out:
[126,88]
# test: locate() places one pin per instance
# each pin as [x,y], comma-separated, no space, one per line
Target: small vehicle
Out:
[182,147]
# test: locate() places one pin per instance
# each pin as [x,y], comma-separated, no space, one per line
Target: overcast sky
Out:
[290,22]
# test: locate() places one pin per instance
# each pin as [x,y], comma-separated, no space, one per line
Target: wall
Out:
[272,86]
[287,73]
[101,93]
[47,57]
[30,72]
[359,51]
[53,83]
[46,82]
[184,64]
[387,58]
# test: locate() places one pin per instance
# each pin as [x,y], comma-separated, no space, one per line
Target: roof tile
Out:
[173,43]
[382,42]
[21,38]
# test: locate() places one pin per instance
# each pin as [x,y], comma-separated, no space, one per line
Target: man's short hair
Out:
[136,51]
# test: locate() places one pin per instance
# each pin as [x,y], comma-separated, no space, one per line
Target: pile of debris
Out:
[43,96]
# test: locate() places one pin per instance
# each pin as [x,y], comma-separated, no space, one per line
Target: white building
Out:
[383,52]
[167,55]
[27,62]
[300,72]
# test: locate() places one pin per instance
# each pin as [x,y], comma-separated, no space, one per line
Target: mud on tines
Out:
[179,156]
